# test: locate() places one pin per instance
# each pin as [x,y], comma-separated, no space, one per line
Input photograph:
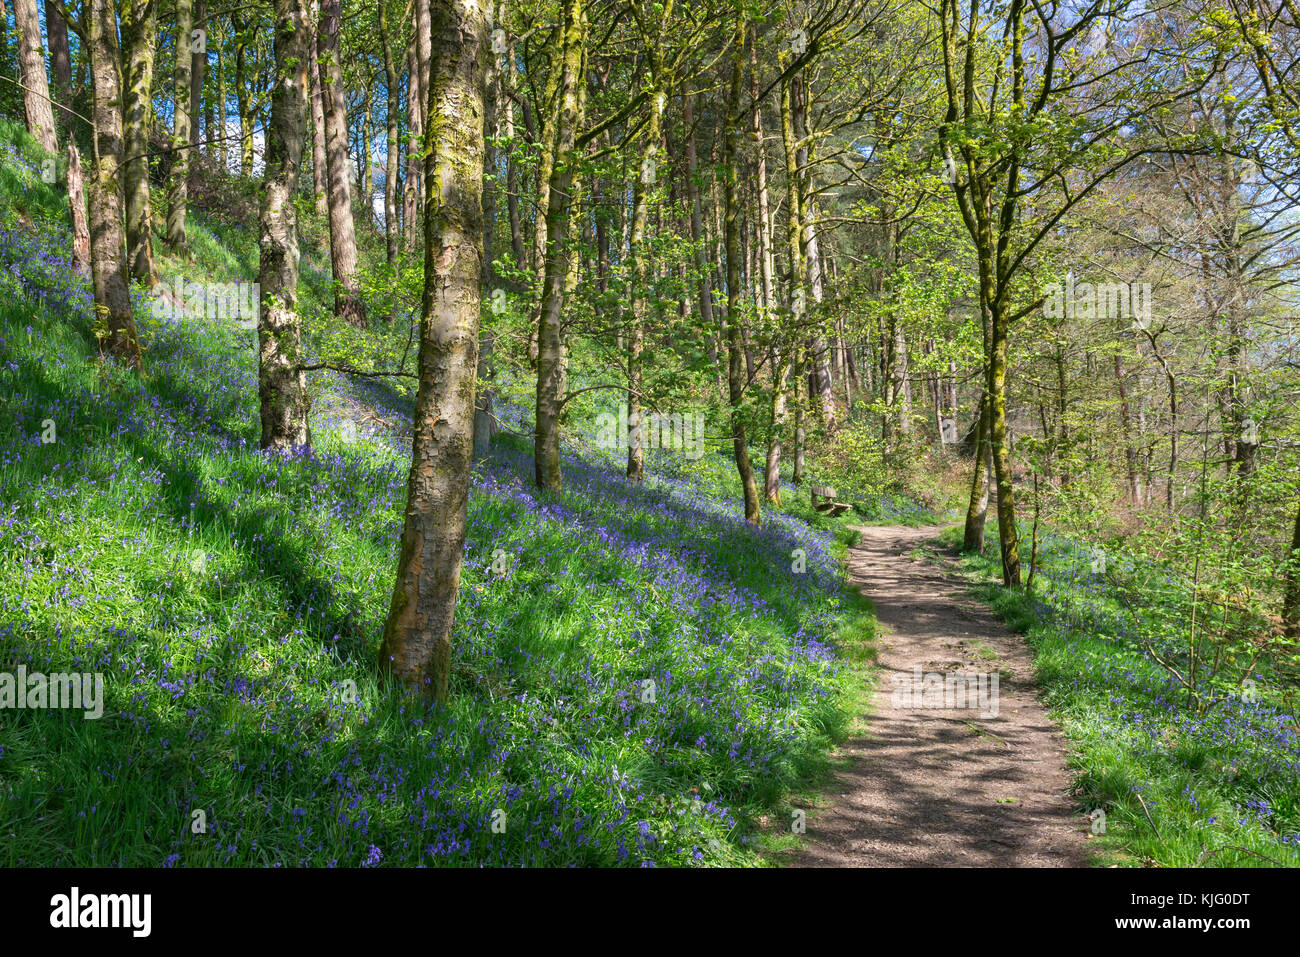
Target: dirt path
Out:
[944,787]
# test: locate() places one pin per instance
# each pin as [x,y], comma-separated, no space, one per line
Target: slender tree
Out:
[60,64]
[416,647]
[550,338]
[1291,589]
[81,258]
[1015,176]
[115,320]
[653,17]
[411,201]
[485,424]
[319,165]
[198,71]
[31,67]
[390,129]
[735,356]
[178,184]
[281,387]
[139,36]
[348,304]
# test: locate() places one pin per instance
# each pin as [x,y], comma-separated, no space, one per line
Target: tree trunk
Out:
[139,22]
[818,354]
[602,199]
[766,266]
[81,258]
[574,238]
[1172,383]
[772,465]
[639,261]
[320,175]
[550,120]
[282,386]
[978,507]
[900,383]
[60,65]
[113,313]
[512,167]
[484,421]
[805,272]
[997,393]
[348,304]
[415,105]
[934,387]
[550,338]
[1291,596]
[1061,440]
[797,477]
[705,286]
[1130,452]
[31,67]
[416,647]
[365,168]
[178,184]
[735,354]
[221,115]
[198,70]
[243,94]
[390,124]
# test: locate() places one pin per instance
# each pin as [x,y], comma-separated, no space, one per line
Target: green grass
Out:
[233,601]
[1178,789]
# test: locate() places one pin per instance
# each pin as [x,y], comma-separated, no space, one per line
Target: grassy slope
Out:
[233,600]
[1177,789]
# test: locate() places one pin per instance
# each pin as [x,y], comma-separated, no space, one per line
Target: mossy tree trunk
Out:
[735,348]
[178,184]
[554,255]
[416,648]
[978,506]
[281,386]
[114,316]
[776,355]
[243,91]
[548,121]
[999,331]
[139,36]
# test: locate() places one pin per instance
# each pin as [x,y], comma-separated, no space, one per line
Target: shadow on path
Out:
[944,786]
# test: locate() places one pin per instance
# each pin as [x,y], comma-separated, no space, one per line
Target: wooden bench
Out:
[828,505]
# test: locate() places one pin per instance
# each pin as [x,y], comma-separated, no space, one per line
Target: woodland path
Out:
[944,787]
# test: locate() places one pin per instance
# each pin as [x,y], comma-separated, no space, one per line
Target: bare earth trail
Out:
[930,787]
